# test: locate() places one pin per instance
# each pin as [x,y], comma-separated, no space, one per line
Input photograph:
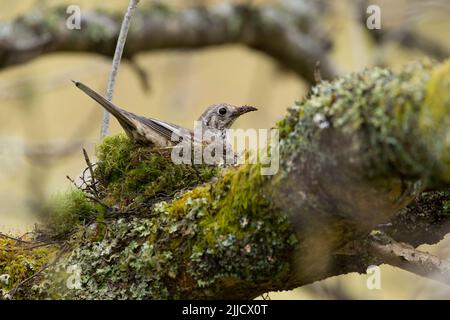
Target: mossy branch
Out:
[353,155]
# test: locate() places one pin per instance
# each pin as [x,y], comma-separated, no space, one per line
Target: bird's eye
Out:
[222,111]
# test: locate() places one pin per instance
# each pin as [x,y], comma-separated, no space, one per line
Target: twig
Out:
[91,171]
[116,61]
[71,180]
[317,73]
[38,245]
[45,266]
[265,296]
[406,257]
[13,238]
[86,191]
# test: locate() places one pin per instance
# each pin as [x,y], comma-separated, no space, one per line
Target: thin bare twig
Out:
[87,190]
[91,171]
[13,238]
[116,61]
[35,246]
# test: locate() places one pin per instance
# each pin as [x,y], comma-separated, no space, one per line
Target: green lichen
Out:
[201,238]
[369,106]
[354,150]
[236,222]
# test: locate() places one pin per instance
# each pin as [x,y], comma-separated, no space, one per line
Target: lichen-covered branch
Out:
[292,37]
[353,154]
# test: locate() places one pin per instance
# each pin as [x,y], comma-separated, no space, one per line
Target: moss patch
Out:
[67,211]
[130,173]
[240,234]
[19,262]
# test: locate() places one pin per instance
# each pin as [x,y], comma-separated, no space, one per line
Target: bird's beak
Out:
[244,109]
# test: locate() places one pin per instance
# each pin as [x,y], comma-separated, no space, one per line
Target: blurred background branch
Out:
[290,34]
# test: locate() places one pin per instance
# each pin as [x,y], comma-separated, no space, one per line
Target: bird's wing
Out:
[168,130]
[141,129]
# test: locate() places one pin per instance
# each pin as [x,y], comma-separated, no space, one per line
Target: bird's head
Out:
[221,116]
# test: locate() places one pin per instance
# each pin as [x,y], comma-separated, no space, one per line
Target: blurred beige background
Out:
[40,106]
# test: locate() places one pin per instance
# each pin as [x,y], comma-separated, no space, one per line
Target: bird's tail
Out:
[121,115]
